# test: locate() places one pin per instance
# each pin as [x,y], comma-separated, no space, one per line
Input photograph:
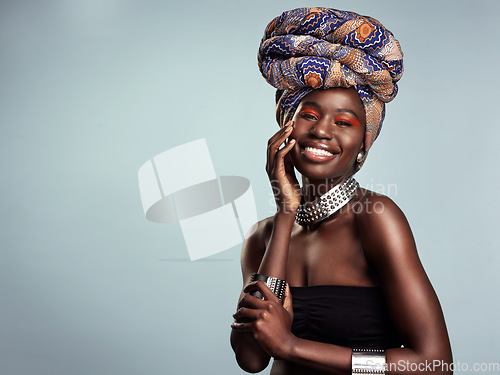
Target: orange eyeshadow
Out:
[350,120]
[309,112]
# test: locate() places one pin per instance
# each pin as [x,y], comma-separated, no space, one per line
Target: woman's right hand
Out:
[281,173]
[266,319]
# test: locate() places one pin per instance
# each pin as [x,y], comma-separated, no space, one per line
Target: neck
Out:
[325,205]
[313,189]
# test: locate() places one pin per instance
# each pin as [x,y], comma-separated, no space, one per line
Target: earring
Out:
[360,157]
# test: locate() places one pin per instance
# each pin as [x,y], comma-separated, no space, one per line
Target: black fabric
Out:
[349,316]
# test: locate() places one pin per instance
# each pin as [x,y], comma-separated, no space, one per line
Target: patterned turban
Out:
[319,48]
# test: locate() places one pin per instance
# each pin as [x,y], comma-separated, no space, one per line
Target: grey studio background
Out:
[92,89]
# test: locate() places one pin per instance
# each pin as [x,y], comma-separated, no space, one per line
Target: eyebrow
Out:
[311,104]
[317,106]
[348,111]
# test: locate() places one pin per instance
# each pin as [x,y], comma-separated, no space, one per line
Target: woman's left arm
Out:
[389,246]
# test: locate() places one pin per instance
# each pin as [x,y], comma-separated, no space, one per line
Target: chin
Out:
[324,175]
[323,171]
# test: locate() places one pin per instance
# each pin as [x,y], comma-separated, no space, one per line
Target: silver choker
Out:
[329,203]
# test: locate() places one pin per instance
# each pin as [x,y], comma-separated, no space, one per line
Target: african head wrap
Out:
[319,48]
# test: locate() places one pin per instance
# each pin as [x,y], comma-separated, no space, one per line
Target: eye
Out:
[309,115]
[344,121]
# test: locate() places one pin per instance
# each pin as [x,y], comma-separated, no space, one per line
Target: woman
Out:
[357,298]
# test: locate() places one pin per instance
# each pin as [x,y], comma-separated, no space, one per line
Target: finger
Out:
[246,314]
[280,155]
[276,140]
[288,163]
[274,146]
[252,302]
[263,289]
[279,132]
[242,327]
[286,148]
[290,169]
[253,286]
[269,295]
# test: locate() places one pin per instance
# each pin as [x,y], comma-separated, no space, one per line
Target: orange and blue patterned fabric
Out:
[318,48]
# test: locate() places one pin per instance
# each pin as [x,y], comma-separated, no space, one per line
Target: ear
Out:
[360,160]
[362,147]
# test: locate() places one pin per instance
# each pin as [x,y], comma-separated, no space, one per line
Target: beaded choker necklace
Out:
[329,203]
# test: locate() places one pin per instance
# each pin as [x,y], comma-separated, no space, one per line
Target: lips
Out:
[318,152]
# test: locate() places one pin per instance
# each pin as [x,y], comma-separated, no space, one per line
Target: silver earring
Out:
[360,157]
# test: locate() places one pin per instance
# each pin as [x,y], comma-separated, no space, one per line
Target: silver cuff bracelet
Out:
[276,285]
[368,361]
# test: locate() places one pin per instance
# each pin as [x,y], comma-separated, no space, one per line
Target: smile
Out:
[317,155]
[317,151]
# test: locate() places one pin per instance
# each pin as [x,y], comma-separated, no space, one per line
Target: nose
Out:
[322,129]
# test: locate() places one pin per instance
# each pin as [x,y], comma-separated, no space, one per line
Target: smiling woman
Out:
[357,298]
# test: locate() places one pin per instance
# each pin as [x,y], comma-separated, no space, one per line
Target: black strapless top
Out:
[349,316]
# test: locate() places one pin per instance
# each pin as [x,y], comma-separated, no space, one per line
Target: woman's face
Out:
[329,129]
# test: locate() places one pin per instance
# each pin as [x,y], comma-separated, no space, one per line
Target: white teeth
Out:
[317,151]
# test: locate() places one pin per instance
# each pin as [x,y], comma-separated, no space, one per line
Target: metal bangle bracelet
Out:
[368,361]
[276,285]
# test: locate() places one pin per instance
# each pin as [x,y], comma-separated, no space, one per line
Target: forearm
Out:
[275,258]
[329,358]
[336,359]
[409,361]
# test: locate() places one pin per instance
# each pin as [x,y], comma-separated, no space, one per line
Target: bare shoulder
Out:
[372,206]
[382,226]
[389,246]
